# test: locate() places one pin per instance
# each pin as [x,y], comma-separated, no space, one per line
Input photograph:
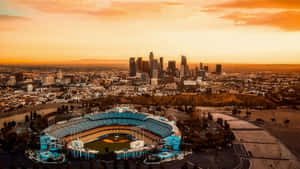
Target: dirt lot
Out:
[287,133]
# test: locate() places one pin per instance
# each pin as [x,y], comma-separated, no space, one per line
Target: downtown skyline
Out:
[248,31]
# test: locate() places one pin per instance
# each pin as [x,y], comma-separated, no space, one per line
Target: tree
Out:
[226,125]
[239,112]
[185,166]
[13,123]
[34,115]
[234,111]
[23,166]
[137,165]
[195,167]
[126,165]
[161,166]
[69,166]
[92,164]
[115,164]
[45,167]
[35,166]
[12,166]
[209,116]
[26,118]
[58,166]
[286,122]
[220,121]
[248,113]
[31,114]
[39,117]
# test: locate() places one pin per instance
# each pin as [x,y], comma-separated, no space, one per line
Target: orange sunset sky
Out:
[235,31]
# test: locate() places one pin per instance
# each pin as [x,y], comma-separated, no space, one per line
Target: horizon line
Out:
[111,61]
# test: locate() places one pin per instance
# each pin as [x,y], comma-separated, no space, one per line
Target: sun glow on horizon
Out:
[219,31]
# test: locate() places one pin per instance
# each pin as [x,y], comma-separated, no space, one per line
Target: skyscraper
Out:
[151,57]
[182,71]
[161,59]
[184,68]
[155,64]
[201,66]
[146,66]
[155,68]
[183,60]
[206,68]
[218,68]
[59,74]
[172,68]
[132,67]
[139,64]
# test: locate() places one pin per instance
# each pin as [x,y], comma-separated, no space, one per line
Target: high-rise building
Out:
[161,63]
[196,73]
[206,68]
[59,74]
[218,68]
[171,67]
[132,67]
[139,64]
[155,73]
[201,66]
[151,58]
[155,67]
[182,71]
[184,68]
[146,66]
[155,64]
[183,60]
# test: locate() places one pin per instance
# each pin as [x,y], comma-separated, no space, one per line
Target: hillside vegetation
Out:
[192,100]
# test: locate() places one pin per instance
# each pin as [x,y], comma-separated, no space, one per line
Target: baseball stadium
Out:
[122,131]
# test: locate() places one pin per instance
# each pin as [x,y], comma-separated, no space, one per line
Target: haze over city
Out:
[232,31]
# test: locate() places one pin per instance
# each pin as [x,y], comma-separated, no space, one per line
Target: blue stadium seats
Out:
[115,118]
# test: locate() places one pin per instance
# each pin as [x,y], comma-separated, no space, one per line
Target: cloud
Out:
[254,4]
[10,23]
[103,8]
[283,14]
[6,18]
[286,20]
[173,3]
